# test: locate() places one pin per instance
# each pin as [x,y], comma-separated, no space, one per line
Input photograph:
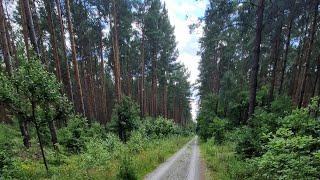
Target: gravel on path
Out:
[184,165]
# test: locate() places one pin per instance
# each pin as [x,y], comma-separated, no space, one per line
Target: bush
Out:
[291,152]
[125,118]
[289,156]
[249,144]
[137,142]
[253,139]
[281,106]
[127,169]
[73,136]
[208,108]
[96,153]
[5,162]
[215,127]
[160,128]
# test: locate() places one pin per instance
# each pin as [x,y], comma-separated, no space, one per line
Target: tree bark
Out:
[314,90]
[255,61]
[4,41]
[103,83]
[30,25]
[53,133]
[53,39]
[275,58]
[286,51]
[65,70]
[154,84]
[116,54]
[25,31]
[80,103]
[308,54]
[34,120]
[23,125]
[142,86]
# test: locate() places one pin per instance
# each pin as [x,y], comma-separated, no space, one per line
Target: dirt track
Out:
[184,165]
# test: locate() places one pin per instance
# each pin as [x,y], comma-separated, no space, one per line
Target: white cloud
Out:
[182,13]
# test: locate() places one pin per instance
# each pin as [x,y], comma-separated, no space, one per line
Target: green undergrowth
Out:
[103,158]
[222,161]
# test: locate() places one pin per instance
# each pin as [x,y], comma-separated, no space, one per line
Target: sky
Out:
[183,13]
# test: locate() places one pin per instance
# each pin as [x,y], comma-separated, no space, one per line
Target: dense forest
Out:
[77,71]
[259,88]
[93,89]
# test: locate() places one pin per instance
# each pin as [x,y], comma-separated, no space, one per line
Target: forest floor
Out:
[185,164]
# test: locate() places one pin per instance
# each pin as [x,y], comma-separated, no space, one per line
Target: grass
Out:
[98,162]
[221,161]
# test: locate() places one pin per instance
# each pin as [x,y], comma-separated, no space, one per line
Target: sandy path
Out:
[185,164]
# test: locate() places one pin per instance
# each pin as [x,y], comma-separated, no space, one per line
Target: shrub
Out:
[253,139]
[208,108]
[160,128]
[127,170]
[289,156]
[281,106]
[125,118]
[96,131]
[249,144]
[136,142]
[73,136]
[5,162]
[96,153]
[291,152]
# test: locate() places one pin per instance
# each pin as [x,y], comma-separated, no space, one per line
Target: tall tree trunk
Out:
[256,57]
[142,86]
[30,25]
[53,39]
[10,39]
[104,107]
[286,51]
[314,90]
[154,84]
[4,41]
[165,100]
[116,54]
[275,58]
[25,30]
[308,54]
[65,70]
[80,103]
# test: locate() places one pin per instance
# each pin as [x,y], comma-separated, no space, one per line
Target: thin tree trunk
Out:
[30,25]
[53,133]
[23,125]
[33,108]
[142,86]
[53,39]
[317,77]
[275,53]
[25,31]
[4,41]
[284,65]
[103,83]
[256,57]
[116,54]
[165,100]
[80,103]
[308,55]
[65,70]
[10,39]
[154,84]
